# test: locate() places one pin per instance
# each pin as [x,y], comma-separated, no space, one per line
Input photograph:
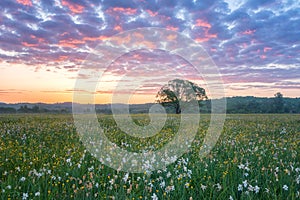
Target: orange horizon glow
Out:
[61,97]
[19,83]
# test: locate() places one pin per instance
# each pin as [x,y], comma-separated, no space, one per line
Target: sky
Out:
[255,45]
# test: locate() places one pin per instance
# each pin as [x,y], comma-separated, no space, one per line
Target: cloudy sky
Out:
[255,44]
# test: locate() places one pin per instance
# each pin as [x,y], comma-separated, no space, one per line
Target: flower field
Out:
[256,157]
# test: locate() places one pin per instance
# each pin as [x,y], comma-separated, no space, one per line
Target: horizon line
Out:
[109,103]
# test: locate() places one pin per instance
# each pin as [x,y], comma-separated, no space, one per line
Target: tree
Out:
[24,109]
[35,109]
[278,103]
[178,92]
[7,110]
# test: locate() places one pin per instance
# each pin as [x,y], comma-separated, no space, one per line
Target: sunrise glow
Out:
[44,44]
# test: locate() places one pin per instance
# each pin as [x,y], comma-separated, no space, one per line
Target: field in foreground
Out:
[256,157]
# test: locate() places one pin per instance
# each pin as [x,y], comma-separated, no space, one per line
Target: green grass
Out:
[42,157]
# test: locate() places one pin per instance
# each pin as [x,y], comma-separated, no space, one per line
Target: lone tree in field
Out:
[178,92]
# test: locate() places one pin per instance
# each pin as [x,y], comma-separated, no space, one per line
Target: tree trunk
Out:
[178,109]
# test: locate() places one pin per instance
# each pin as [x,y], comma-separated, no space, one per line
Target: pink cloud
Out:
[25,2]
[206,36]
[172,28]
[121,40]
[171,37]
[118,28]
[202,23]
[127,11]
[70,43]
[40,40]
[61,58]
[102,37]
[138,35]
[75,8]
[151,13]
[26,44]
[263,57]
[266,49]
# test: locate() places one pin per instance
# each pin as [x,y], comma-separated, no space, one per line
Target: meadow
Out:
[256,157]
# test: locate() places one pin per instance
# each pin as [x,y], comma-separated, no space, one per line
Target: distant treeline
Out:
[33,109]
[258,105]
[245,105]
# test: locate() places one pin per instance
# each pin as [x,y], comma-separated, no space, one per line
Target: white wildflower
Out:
[25,196]
[250,188]
[154,197]
[91,168]
[187,185]
[169,174]
[162,184]
[240,187]
[298,179]
[256,189]
[267,190]
[219,187]
[283,131]
[112,181]
[285,187]
[125,177]
[241,166]
[245,183]
[170,188]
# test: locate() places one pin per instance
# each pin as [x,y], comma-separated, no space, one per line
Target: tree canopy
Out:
[178,92]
